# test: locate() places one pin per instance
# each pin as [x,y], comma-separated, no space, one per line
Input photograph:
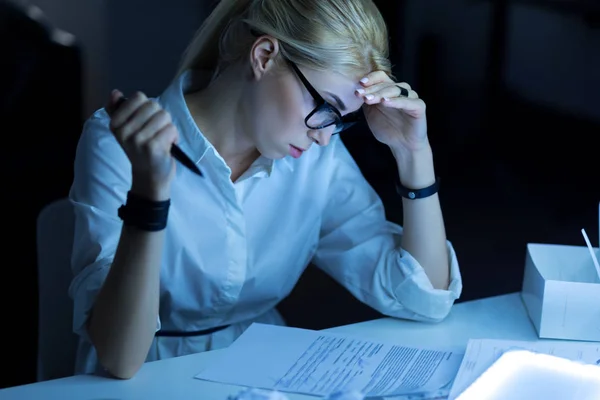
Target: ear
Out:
[263,54]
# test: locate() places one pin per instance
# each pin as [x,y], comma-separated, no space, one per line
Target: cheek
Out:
[284,109]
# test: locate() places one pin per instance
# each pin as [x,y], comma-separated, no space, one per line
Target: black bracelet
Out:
[144,214]
[414,194]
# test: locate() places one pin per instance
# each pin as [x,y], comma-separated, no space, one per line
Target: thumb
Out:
[114,101]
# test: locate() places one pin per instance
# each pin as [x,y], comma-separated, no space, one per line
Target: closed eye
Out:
[338,102]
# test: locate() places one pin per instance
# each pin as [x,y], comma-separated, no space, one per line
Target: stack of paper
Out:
[526,375]
[318,363]
[481,354]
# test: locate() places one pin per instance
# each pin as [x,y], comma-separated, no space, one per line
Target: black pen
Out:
[176,151]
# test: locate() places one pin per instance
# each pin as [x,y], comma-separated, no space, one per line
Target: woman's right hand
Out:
[146,133]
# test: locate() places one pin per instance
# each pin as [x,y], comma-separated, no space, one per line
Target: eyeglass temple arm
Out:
[313,92]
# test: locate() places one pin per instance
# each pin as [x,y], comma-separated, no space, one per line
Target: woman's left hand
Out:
[396,117]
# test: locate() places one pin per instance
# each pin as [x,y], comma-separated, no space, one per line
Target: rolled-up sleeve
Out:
[101,180]
[361,250]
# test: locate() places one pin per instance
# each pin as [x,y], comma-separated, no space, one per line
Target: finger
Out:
[157,122]
[404,85]
[404,91]
[382,91]
[374,78]
[125,111]
[139,118]
[113,101]
[371,89]
[414,106]
[163,140]
[120,102]
[389,92]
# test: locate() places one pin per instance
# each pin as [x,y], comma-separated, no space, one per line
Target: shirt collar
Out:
[191,140]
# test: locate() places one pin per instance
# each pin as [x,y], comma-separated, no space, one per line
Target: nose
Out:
[321,136]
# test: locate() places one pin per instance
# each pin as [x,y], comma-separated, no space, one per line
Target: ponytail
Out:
[203,51]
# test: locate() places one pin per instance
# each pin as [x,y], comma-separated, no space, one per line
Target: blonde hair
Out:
[346,36]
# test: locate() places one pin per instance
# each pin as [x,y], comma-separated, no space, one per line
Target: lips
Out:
[296,152]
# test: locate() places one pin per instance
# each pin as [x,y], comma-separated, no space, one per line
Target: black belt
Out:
[192,333]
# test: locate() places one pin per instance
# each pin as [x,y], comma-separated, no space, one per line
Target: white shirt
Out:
[234,250]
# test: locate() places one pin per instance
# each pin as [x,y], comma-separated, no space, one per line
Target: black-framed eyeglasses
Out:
[325,114]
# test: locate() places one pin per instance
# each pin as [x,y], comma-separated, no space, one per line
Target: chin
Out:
[273,156]
[272,153]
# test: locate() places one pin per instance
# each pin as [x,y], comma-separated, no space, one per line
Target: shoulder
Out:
[99,159]
[96,131]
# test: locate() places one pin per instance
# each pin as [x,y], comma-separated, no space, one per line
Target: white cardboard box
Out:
[561,291]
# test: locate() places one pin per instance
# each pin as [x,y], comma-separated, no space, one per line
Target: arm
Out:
[424,234]
[124,296]
[123,322]
[115,289]
[365,253]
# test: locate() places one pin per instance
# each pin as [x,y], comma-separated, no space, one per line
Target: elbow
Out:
[118,364]
[439,313]
[119,369]
[429,311]
[437,319]
[432,319]
[432,316]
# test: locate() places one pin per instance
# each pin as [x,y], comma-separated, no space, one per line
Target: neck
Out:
[219,112]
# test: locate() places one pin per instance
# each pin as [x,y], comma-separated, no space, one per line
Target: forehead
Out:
[342,86]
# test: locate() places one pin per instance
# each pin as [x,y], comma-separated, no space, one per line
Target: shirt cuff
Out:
[417,294]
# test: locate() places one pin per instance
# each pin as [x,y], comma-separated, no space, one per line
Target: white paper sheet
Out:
[482,353]
[319,363]
[525,375]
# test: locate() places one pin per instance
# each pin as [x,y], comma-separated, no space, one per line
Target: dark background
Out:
[512,91]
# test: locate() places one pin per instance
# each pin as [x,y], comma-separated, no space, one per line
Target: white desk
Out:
[501,317]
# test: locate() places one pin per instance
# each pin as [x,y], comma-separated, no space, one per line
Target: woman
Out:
[262,91]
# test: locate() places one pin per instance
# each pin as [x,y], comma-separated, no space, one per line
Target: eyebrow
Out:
[338,101]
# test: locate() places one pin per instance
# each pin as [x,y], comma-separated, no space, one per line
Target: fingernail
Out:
[386,99]
[369,97]
[360,91]
[364,80]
